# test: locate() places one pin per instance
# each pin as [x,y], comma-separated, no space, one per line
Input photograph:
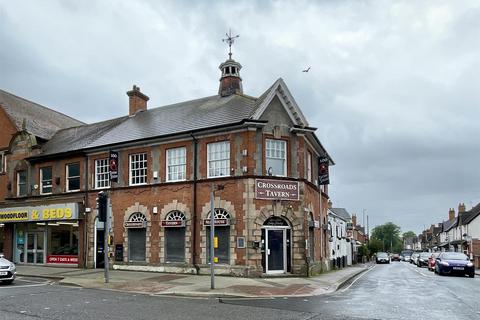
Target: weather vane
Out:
[230,40]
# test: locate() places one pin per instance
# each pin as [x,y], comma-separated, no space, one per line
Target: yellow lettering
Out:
[45,214]
[68,213]
[34,215]
[60,213]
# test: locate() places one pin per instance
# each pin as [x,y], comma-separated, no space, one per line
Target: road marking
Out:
[351,284]
[27,286]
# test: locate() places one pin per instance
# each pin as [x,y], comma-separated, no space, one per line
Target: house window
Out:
[218,158]
[73,177]
[2,162]
[102,174]
[309,166]
[21,183]
[46,180]
[176,164]
[276,157]
[138,169]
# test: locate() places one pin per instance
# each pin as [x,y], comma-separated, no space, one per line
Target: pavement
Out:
[196,285]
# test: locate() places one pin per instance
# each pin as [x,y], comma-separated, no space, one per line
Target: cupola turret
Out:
[230,81]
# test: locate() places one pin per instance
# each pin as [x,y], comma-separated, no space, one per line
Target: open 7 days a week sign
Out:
[276,189]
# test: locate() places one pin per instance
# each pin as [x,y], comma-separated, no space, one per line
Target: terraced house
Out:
[259,155]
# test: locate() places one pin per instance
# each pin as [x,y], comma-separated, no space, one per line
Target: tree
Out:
[389,235]
[375,245]
[408,234]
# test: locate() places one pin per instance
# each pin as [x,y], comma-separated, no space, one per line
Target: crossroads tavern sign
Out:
[276,190]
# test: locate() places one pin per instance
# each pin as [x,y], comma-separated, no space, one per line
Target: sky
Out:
[393,86]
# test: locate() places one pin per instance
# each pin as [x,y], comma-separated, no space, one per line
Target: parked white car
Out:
[7,270]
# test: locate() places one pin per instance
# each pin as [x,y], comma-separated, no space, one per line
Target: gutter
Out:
[194,211]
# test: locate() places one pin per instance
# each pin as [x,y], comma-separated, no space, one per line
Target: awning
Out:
[455,242]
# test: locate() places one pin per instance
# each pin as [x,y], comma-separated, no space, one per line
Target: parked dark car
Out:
[431,261]
[454,263]
[423,259]
[382,257]
[396,257]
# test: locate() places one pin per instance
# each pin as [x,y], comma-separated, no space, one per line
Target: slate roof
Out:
[342,213]
[468,216]
[172,119]
[449,224]
[40,121]
[184,117]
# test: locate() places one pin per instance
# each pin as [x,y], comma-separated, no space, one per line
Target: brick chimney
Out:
[137,101]
[451,214]
[461,208]
[354,219]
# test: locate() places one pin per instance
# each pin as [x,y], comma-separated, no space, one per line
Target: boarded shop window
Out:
[73,177]
[102,174]
[21,183]
[138,169]
[218,158]
[175,238]
[46,180]
[137,238]
[276,157]
[176,164]
[223,235]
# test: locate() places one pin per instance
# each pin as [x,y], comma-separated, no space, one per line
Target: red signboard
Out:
[218,222]
[173,223]
[135,224]
[62,259]
[276,190]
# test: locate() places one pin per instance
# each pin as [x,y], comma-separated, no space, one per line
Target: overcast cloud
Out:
[393,87]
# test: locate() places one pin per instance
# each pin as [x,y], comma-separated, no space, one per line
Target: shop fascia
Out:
[53,212]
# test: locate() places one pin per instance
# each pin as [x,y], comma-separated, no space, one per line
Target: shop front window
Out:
[137,237]
[62,241]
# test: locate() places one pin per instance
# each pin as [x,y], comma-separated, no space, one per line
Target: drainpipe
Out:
[194,211]
[85,225]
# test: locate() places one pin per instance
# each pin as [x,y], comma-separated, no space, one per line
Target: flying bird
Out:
[306,70]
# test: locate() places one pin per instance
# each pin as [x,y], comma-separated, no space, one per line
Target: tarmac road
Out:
[390,291]
[29,299]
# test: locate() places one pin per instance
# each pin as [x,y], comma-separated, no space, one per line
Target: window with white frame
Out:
[138,169]
[276,157]
[21,183]
[309,166]
[218,158]
[73,177]
[176,164]
[46,180]
[102,173]
[3,162]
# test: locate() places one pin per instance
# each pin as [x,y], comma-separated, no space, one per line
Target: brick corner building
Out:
[259,154]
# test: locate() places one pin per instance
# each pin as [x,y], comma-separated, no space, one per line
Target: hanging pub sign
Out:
[323,177]
[113,166]
[276,190]
[173,223]
[218,222]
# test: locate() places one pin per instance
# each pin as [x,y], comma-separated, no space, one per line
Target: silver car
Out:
[7,270]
